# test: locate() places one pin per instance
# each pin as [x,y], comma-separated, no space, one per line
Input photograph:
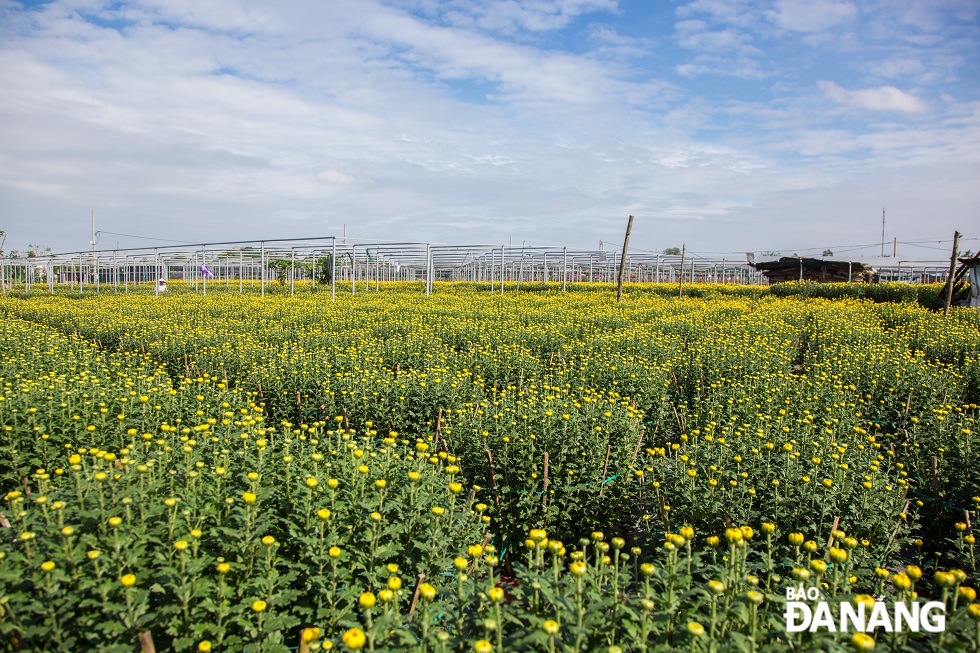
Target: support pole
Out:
[680,287]
[564,269]
[952,271]
[493,269]
[503,269]
[622,261]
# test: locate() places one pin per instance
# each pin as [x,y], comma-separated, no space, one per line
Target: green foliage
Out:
[666,425]
[282,268]
[929,296]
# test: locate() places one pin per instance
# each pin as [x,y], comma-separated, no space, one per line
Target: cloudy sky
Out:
[729,125]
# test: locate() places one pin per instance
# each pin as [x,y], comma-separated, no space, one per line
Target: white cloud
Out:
[882,98]
[337,177]
[509,16]
[740,13]
[545,119]
[812,15]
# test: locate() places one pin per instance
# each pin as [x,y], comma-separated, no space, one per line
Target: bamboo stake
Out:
[544,496]
[622,261]
[483,545]
[636,452]
[493,480]
[952,271]
[146,642]
[895,532]
[830,540]
[605,468]
[415,596]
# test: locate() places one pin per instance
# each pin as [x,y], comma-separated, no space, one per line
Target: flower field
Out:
[538,471]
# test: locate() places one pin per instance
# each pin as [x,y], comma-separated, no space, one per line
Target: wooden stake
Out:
[680,420]
[146,642]
[895,532]
[486,541]
[935,477]
[952,271]
[830,540]
[544,495]
[493,480]
[622,260]
[415,596]
[605,468]
[636,452]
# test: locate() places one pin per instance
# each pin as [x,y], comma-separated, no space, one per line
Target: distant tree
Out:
[281,267]
[324,269]
[827,252]
[673,251]
[33,251]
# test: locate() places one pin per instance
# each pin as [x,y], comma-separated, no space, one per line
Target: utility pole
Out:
[622,260]
[882,231]
[952,271]
[93,230]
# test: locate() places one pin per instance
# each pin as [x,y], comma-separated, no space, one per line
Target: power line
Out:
[849,248]
[166,240]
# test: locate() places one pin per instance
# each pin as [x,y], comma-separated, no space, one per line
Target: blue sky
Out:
[729,125]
